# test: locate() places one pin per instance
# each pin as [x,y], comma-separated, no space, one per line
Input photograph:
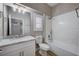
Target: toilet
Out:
[44,47]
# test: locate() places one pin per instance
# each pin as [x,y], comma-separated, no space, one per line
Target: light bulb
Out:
[61,23]
[23,11]
[14,9]
[19,10]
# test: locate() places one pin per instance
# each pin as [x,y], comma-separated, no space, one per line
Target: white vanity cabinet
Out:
[19,49]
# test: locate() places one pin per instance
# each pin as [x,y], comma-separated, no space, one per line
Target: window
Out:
[38,22]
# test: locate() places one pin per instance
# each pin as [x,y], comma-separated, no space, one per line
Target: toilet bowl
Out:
[44,47]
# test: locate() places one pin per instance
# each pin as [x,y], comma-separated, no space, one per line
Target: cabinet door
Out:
[29,51]
[17,52]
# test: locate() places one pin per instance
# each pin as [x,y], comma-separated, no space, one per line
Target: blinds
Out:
[38,22]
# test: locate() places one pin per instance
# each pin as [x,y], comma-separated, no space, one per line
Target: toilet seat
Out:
[44,46]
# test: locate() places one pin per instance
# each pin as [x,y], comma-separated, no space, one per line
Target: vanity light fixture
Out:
[20,9]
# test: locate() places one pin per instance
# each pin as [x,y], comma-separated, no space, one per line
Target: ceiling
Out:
[52,4]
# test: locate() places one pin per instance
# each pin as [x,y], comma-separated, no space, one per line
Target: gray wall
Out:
[64,8]
[42,7]
[47,28]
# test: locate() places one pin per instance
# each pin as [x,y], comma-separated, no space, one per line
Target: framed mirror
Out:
[1,24]
[17,21]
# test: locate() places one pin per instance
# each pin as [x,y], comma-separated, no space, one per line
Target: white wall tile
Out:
[66,32]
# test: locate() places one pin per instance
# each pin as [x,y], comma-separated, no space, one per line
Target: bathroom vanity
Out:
[16,20]
[15,23]
[24,46]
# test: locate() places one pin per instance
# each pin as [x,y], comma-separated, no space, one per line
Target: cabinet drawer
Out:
[16,46]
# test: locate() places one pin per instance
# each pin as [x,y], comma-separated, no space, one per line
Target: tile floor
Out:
[49,53]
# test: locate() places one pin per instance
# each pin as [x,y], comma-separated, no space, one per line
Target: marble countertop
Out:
[5,42]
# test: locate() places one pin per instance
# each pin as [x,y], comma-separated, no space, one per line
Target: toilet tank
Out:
[39,39]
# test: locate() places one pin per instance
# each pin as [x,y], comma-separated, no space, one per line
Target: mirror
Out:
[17,22]
[1,28]
[1,21]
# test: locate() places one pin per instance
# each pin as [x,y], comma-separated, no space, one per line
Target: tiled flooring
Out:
[49,53]
[37,53]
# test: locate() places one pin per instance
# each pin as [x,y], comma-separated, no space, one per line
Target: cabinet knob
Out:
[20,54]
[1,50]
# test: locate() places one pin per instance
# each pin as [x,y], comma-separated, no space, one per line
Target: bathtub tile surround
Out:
[65,33]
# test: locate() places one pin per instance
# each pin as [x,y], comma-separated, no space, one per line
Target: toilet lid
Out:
[43,45]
